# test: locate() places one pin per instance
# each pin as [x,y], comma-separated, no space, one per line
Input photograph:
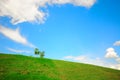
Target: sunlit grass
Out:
[18,67]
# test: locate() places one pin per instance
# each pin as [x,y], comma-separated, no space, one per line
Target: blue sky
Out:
[81,31]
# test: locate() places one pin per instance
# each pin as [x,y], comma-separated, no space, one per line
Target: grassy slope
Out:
[18,67]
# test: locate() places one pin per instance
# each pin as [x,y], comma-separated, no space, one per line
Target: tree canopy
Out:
[41,53]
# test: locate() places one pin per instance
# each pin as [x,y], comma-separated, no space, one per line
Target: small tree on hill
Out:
[37,52]
[42,54]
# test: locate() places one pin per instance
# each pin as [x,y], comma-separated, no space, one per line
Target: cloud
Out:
[15,35]
[76,58]
[94,61]
[80,58]
[118,59]
[84,3]
[18,51]
[85,59]
[22,10]
[115,66]
[69,57]
[117,43]
[31,10]
[110,53]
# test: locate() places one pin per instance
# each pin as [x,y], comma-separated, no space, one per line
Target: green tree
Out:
[36,51]
[42,54]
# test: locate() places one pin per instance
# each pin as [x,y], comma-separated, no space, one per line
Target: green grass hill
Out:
[19,67]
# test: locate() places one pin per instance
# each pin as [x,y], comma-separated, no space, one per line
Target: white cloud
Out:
[14,35]
[30,10]
[118,66]
[68,57]
[76,57]
[110,53]
[18,51]
[80,58]
[84,3]
[118,59]
[115,66]
[85,59]
[94,61]
[22,10]
[117,43]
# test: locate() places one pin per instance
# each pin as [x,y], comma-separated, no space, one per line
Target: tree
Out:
[37,52]
[42,54]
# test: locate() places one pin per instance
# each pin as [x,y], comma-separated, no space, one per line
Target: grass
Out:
[19,67]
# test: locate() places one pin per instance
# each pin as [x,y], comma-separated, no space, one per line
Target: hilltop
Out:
[19,67]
